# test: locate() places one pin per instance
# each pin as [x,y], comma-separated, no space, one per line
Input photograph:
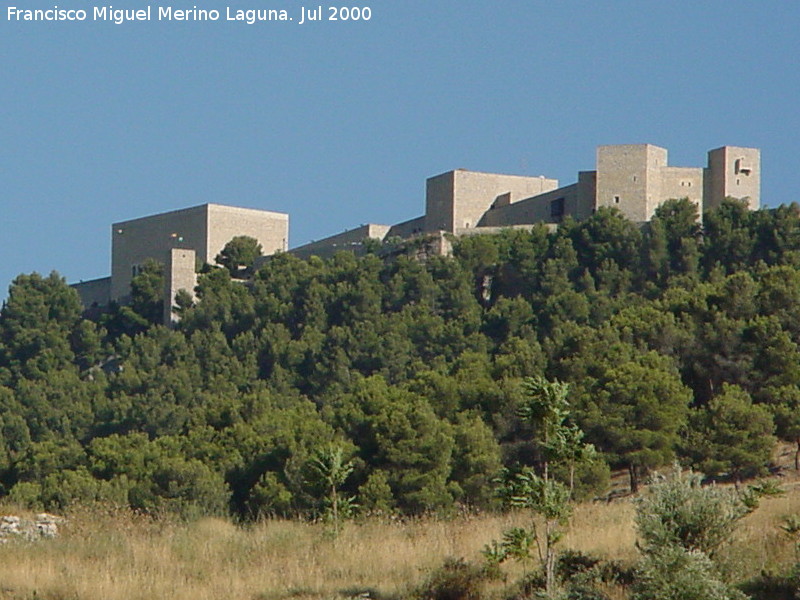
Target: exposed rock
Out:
[43,525]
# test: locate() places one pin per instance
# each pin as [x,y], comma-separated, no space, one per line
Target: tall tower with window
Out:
[734,172]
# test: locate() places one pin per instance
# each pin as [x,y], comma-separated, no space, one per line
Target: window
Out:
[739,166]
[616,199]
[557,209]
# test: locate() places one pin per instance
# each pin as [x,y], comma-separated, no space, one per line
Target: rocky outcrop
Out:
[42,526]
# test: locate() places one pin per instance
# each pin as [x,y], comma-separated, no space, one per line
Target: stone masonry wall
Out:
[475,193]
[538,209]
[133,242]
[352,239]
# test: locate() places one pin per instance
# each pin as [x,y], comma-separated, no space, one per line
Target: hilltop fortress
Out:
[635,179]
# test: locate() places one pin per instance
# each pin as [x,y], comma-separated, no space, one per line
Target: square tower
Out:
[179,274]
[734,172]
[629,178]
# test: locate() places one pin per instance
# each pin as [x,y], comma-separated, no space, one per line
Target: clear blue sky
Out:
[339,124]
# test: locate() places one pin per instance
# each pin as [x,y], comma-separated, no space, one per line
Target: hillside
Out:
[678,342]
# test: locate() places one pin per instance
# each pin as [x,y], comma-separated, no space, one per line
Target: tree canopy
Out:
[239,255]
[411,366]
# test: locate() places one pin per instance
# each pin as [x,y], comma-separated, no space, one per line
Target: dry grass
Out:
[604,530]
[116,555]
[120,556]
[760,544]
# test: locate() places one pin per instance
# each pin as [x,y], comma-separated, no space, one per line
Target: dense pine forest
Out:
[392,380]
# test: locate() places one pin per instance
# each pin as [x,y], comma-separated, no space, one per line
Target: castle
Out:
[635,179]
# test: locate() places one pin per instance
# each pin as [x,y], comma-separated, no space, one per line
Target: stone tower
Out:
[629,178]
[179,274]
[736,172]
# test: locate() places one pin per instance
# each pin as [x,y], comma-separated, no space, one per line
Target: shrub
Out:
[679,511]
[583,575]
[682,525]
[456,579]
[773,586]
[675,573]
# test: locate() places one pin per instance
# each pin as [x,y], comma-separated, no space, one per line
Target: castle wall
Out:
[458,199]
[550,207]
[95,292]
[407,228]
[271,229]
[682,182]
[587,195]
[204,229]
[476,192]
[352,239]
[135,241]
